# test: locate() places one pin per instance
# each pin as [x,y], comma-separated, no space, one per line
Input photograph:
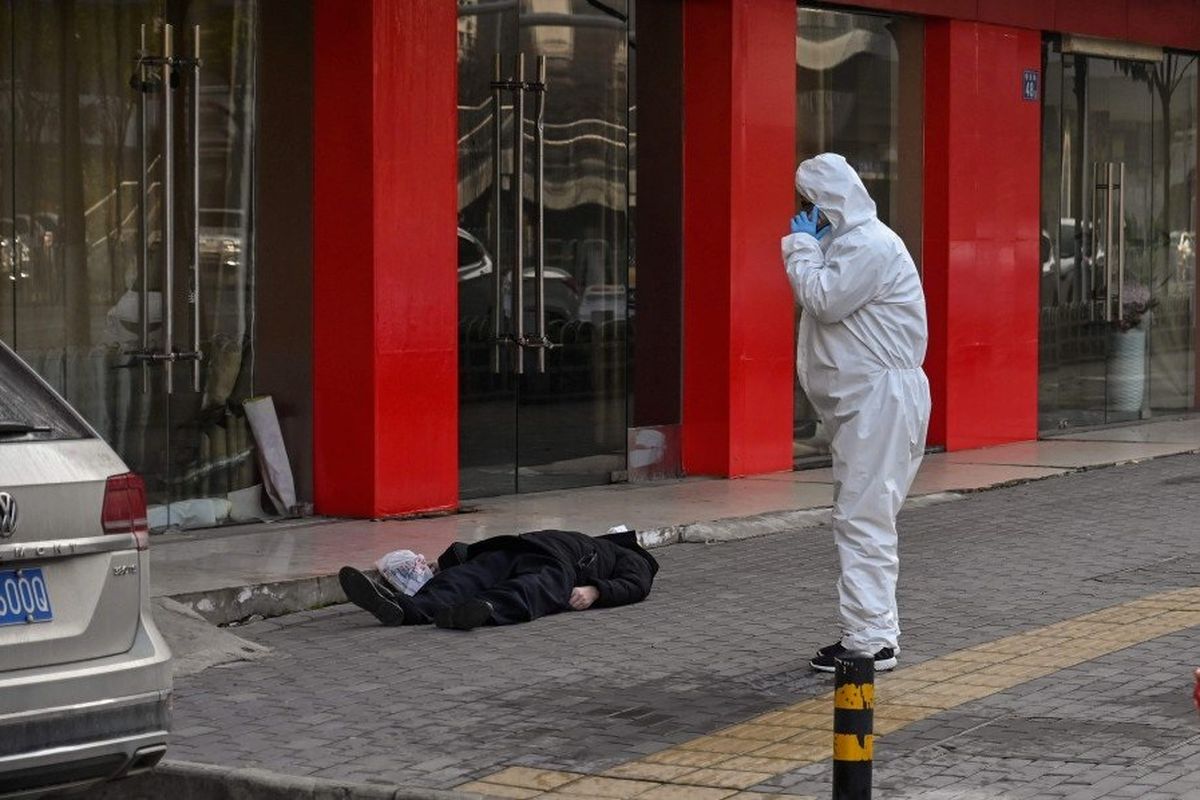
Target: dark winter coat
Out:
[615,564]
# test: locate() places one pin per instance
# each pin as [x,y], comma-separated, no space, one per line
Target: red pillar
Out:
[385,297]
[739,146]
[982,210]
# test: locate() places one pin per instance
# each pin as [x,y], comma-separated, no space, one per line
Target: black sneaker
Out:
[824,660]
[363,592]
[464,616]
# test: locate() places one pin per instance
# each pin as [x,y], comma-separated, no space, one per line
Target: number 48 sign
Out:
[1029,85]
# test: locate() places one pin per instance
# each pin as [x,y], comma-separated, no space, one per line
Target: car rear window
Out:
[29,409]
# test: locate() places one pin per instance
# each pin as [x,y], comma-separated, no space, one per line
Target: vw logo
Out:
[8,515]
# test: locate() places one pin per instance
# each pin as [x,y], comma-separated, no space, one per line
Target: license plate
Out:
[24,597]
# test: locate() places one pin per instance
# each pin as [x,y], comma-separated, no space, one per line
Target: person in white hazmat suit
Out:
[861,345]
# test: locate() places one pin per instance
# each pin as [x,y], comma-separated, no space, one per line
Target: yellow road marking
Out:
[771,744]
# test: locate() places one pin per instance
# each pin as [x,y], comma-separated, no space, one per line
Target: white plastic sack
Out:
[200,512]
[405,570]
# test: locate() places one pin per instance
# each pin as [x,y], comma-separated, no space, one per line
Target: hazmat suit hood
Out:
[830,182]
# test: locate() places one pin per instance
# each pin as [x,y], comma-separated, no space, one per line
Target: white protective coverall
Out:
[861,345]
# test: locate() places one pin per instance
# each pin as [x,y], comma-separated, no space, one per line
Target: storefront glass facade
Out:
[1117,338]
[109,290]
[126,231]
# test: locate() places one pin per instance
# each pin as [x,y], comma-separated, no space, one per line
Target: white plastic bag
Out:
[405,570]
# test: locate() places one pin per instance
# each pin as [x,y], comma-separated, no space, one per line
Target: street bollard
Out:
[853,726]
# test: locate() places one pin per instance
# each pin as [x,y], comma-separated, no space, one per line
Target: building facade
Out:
[206,201]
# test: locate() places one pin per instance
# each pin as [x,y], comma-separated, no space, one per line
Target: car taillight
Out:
[125,508]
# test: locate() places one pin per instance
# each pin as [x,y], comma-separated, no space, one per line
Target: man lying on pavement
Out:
[508,579]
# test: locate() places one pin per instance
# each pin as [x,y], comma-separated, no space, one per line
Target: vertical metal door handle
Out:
[168,205]
[1091,243]
[1108,240]
[497,177]
[1121,244]
[195,293]
[518,267]
[539,138]
[143,219]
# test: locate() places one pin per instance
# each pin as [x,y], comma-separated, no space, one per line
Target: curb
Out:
[237,603]
[186,780]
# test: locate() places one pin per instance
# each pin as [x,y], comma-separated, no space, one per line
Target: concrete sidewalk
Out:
[1049,643]
[230,574]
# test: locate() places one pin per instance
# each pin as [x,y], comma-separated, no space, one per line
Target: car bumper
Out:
[76,724]
[81,764]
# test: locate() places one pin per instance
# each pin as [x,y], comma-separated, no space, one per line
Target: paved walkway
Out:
[1050,631]
[234,558]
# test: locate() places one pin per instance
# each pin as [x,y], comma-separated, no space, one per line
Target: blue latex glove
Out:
[808,222]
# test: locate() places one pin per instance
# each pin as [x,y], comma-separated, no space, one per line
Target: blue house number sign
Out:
[1029,85]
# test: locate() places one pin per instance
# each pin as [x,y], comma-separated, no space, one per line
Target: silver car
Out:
[85,677]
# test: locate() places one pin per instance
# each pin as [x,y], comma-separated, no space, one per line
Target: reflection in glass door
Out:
[126,225]
[543,194]
[1118,232]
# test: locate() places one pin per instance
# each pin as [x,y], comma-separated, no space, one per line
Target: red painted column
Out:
[982,202]
[385,298]
[739,145]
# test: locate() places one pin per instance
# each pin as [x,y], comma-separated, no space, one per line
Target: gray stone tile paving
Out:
[725,636]
[1115,739]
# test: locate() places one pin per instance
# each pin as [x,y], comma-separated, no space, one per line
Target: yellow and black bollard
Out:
[853,726]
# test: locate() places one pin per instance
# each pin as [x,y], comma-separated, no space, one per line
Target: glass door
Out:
[1117,272]
[126,226]
[543,194]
